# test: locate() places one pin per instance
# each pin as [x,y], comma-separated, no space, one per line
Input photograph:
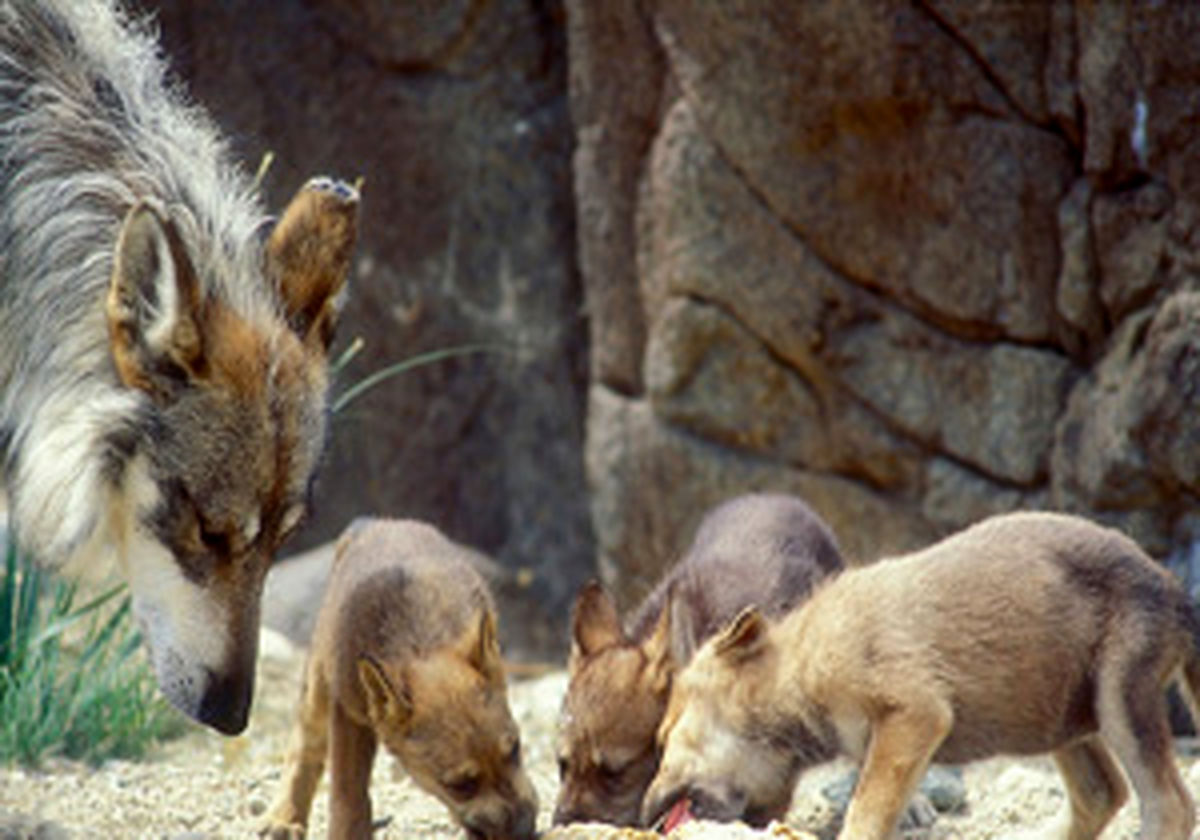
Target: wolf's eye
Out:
[215,542]
[463,787]
[514,754]
[562,767]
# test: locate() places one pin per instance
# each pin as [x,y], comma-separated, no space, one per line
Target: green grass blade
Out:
[88,699]
[382,375]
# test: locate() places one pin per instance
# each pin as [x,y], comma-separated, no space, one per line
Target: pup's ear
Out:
[595,624]
[385,701]
[684,638]
[308,257]
[153,305]
[659,649]
[744,637]
[481,648]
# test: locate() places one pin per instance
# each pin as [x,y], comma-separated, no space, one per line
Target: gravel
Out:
[205,786]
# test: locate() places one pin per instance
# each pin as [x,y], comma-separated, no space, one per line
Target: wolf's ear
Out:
[308,257]
[744,637]
[482,648]
[153,305]
[385,702]
[595,624]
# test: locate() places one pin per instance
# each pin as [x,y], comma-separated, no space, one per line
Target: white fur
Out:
[183,625]
[64,500]
[164,318]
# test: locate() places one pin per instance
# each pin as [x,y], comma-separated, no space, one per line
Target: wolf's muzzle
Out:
[225,704]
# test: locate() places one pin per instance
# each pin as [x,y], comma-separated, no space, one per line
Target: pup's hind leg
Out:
[902,744]
[1133,722]
[1095,787]
[288,817]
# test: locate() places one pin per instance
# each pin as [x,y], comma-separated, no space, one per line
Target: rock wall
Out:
[455,114]
[917,262]
[920,262]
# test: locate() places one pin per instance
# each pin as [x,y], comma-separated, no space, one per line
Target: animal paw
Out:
[281,830]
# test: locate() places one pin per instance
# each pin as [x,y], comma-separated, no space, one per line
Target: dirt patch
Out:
[207,786]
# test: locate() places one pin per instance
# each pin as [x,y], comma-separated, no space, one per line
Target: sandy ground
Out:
[207,786]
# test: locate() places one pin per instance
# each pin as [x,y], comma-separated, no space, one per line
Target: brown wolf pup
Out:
[767,550]
[1026,633]
[404,653]
[162,345]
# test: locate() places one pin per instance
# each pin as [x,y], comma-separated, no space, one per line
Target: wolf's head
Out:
[446,717]
[719,750]
[231,425]
[615,699]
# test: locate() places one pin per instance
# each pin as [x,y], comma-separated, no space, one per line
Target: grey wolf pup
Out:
[765,550]
[1026,633]
[404,653]
[162,345]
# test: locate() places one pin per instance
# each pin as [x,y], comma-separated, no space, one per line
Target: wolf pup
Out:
[404,653]
[1026,633]
[767,550]
[162,347]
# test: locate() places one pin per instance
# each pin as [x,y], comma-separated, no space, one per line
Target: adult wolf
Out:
[163,347]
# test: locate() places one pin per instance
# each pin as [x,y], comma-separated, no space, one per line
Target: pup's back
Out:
[1045,596]
[765,549]
[759,549]
[398,590]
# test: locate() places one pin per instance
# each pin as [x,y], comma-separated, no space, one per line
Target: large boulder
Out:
[920,263]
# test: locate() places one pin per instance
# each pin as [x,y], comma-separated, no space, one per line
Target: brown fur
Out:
[405,654]
[310,249]
[1025,634]
[766,550]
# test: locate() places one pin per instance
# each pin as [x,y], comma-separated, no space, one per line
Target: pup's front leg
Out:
[288,817]
[352,753]
[902,743]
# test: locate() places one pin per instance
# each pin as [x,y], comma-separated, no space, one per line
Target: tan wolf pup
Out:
[1026,633]
[163,343]
[405,653]
[763,549]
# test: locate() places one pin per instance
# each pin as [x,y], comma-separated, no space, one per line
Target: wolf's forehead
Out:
[248,434]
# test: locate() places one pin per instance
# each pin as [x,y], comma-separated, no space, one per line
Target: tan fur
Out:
[1025,634]
[763,549]
[405,653]
[615,699]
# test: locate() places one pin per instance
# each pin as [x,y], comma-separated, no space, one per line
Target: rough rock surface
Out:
[920,262]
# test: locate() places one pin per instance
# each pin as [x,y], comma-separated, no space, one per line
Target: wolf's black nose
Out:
[225,705]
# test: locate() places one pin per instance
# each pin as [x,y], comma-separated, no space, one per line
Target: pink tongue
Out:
[679,814]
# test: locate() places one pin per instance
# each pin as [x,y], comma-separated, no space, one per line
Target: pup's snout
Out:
[516,823]
[523,820]
[658,801]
